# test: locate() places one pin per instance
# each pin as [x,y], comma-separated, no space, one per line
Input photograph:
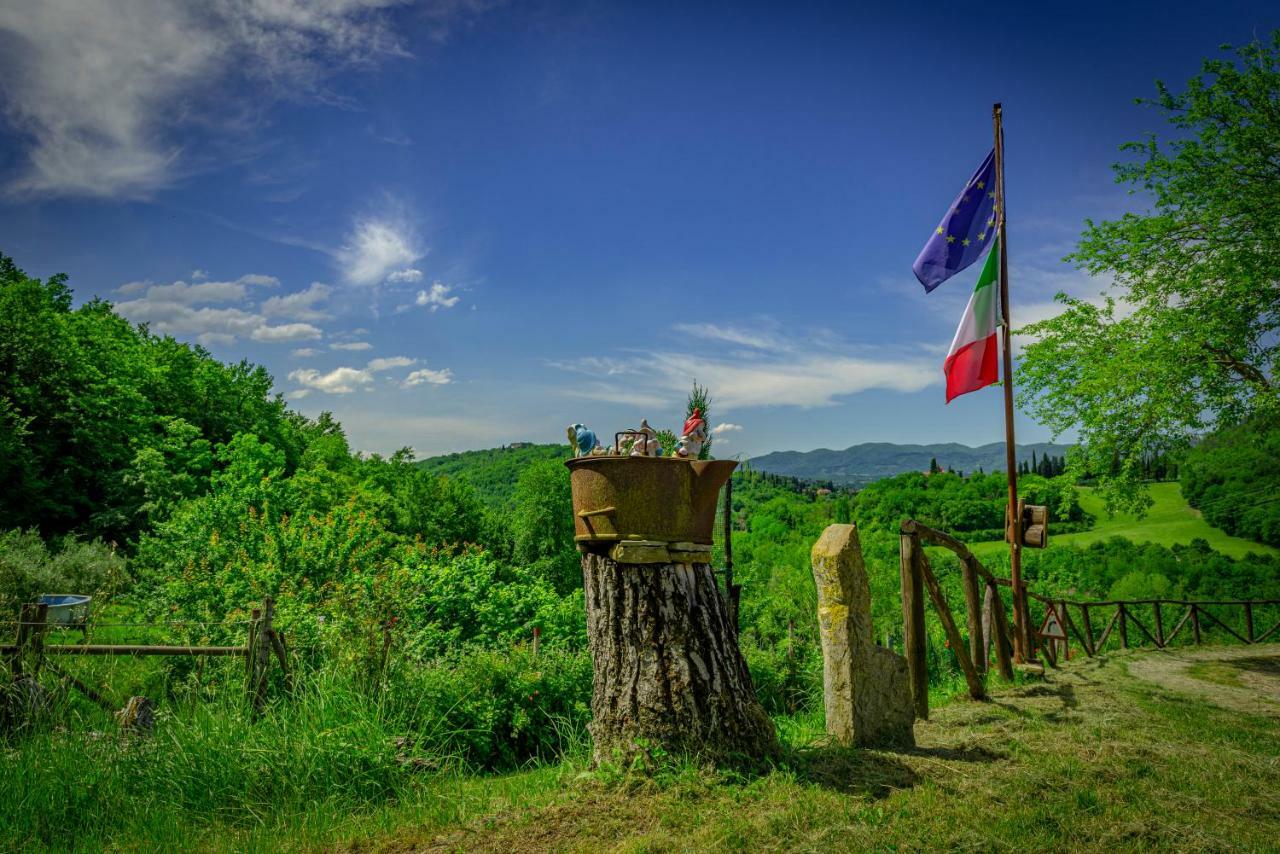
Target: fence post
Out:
[1124,629]
[259,653]
[1003,635]
[1155,606]
[976,689]
[973,606]
[913,639]
[1088,629]
[1248,621]
[1195,623]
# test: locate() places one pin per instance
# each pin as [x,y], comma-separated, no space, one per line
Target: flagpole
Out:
[1021,636]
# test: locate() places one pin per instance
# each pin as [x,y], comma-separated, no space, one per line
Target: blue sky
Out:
[462,224]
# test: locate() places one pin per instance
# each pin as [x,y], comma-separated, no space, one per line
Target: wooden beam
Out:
[132,649]
[1106,630]
[973,610]
[913,639]
[1178,626]
[1160,641]
[1003,635]
[1230,630]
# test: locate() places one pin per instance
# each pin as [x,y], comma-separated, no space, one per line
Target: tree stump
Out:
[668,672]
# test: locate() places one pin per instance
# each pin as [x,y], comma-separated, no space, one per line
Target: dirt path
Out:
[1241,678]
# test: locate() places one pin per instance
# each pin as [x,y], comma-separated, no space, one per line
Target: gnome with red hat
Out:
[692,436]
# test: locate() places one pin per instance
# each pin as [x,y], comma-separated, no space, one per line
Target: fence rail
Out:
[988,623]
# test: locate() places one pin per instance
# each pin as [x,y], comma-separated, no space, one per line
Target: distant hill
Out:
[861,464]
[494,471]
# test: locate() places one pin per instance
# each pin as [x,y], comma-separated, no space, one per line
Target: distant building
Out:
[823,492]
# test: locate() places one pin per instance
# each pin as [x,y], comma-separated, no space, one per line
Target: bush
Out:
[29,568]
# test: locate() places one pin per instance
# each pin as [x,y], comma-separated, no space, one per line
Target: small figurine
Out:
[582,440]
[692,436]
[645,441]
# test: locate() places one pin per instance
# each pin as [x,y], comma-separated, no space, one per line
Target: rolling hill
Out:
[861,464]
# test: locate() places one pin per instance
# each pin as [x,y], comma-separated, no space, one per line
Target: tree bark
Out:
[668,672]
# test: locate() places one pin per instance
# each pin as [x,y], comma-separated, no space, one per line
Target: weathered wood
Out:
[1071,627]
[1003,635]
[1088,630]
[1106,630]
[1262,637]
[261,655]
[976,689]
[988,620]
[913,636]
[1195,624]
[1124,629]
[733,591]
[973,611]
[1144,629]
[89,692]
[134,649]
[282,656]
[1178,627]
[1248,622]
[667,669]
[1227,628]
[1160,641]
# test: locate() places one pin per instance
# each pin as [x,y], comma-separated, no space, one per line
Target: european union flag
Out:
[966,229]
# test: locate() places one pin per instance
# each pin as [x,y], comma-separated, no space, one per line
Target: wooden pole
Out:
[913,640]
[1088,629]
[261,654]
[976,689]
[1000,629]
[1195,623]
[1124,629]
[1159,638]
[1021,614]
[1248,622]
[973,607]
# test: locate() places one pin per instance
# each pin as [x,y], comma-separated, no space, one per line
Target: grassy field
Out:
[1091,758]
[1170,521]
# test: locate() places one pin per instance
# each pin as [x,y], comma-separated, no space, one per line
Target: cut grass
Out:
[1091,759]
[1170,521]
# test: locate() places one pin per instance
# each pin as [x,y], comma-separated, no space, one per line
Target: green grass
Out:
[1170,521]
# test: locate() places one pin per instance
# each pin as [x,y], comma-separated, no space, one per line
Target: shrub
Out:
[28,568]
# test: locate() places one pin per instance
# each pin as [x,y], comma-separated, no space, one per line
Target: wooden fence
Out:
[26,655]
[988,623]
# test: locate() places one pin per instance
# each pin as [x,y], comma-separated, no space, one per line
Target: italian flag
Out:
[973,361]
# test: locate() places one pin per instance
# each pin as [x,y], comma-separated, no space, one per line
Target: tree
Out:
[700,400]
[1187,338]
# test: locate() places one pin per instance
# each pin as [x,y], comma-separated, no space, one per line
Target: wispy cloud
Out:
[376,365]
[351,345]
[725,427]
[300,305]
[376,248]
[337,381]
[108,94]
[437,297]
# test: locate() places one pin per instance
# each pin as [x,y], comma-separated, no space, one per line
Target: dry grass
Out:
[1090,759]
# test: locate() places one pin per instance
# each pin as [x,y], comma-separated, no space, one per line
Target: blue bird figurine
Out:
[582,440]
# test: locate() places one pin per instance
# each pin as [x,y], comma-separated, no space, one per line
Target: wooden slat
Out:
[1071,627]
[1145,631]
[973,613]
[1232,631]
[1106,631]
[1178,626]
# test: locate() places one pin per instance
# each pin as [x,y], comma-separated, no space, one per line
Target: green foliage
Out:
[494,472]
[1188,338]
[28,568]
[1233,477]
[103,426]
[542,525]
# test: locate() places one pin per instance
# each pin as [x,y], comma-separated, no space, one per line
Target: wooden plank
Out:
[976,689]
[973,611]
[913,638]
[1160,641]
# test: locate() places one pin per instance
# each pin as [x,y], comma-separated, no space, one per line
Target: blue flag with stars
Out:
[965,230]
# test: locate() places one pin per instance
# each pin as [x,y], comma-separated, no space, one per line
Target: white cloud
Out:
[804,371]
[426,375]
[286,332]
[375,248]
[437,297]
[186,309]
[106,94]
[300,305]
[387,364]
[351,345]
[407,275]
[725,427]
[304,352]
[337,381]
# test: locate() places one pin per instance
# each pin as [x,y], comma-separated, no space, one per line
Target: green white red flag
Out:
[973,361]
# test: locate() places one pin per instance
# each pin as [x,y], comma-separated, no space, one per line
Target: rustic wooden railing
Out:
[988,623]
[26,655]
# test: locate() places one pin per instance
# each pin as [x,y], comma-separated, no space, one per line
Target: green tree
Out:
[700,399]
[1187,338]
[542,524]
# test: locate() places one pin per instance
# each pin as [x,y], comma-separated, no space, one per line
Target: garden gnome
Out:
[692,436]
[582,440]
[646,441]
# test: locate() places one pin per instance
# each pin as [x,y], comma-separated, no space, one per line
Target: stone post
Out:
[866,692]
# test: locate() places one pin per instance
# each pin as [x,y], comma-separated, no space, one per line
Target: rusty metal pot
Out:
[646,498]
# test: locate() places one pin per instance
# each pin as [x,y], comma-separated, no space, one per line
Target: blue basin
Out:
[66,609]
